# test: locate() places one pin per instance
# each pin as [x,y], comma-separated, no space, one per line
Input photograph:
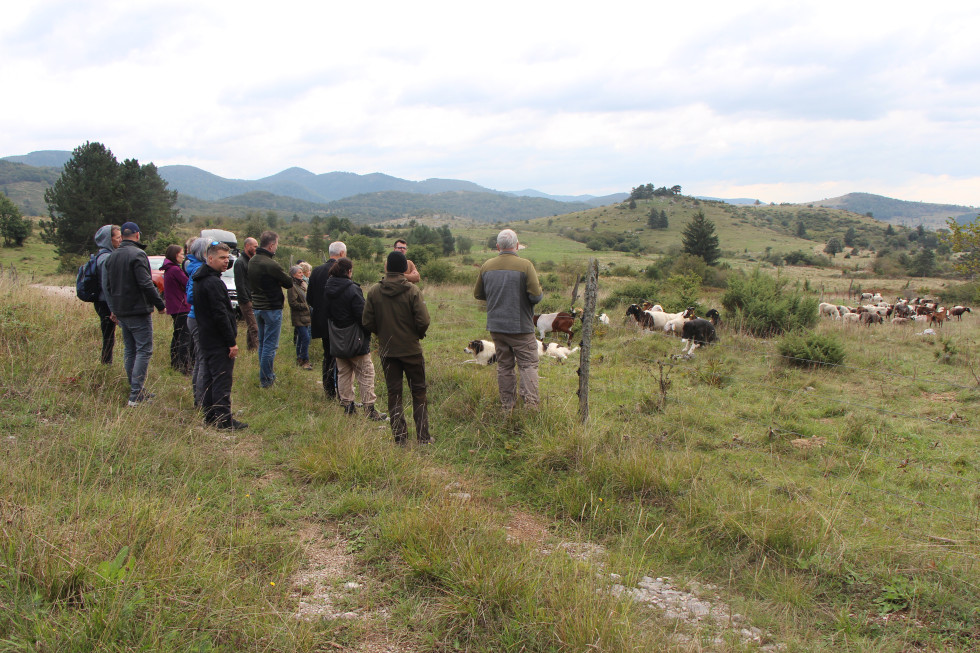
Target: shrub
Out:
[964,293]
[800,257]
[811,349]
[634,292]
[437,271]
[622,271]
[763,306]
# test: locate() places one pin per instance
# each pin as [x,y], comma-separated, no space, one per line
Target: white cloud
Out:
[790,102]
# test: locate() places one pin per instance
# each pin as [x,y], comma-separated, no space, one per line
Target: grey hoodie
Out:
[103,239]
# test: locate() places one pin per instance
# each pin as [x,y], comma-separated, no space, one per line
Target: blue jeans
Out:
[137,332]
[269,323]
[302,340]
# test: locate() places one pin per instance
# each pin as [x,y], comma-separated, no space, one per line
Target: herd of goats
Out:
[903,311]
[696,331]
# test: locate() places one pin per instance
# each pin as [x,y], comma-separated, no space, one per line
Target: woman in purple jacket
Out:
[175,297]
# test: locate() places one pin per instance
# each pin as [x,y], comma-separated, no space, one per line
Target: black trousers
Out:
[329,370]
[108,331]
[181,347]
[413,369]
[216,377]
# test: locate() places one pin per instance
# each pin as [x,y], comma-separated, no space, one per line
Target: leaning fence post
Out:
[588,320]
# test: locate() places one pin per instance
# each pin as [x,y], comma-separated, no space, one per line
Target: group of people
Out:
[325,303]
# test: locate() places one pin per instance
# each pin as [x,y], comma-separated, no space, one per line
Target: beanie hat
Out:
[130,228]
[397,263]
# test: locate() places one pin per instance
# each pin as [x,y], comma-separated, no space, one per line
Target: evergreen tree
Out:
[147,201]
[14,227]
[315,242]
[924,263]
[800,229]
[849,237]
[653,220]
[699,239]
[657,219]
[94,189]
[448,241]
[833,246]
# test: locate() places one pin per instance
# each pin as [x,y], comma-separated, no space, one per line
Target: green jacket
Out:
[266,279]
[394,309]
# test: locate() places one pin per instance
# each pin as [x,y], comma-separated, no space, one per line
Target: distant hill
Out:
[304,185]
[591,200]
[25,185]
[42,159]
[901,212]
[482,207]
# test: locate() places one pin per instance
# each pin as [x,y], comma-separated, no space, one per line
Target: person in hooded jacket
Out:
[107,238]
[196,255]
[396,312]
[175,297]
[345,306]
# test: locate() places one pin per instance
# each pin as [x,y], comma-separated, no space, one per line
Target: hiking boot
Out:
[305,364]
[373,414]
[233,425]
[141,398]
[428,440]
[350,409]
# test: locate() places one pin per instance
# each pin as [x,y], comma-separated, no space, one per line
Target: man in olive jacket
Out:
[266,280]
[395,311]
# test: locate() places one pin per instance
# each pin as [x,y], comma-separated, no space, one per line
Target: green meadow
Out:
[821,508]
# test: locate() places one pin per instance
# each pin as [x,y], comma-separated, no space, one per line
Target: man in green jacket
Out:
[266,280]
[395,311]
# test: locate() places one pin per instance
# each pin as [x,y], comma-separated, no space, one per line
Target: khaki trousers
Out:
[360,368]
[251,328]
[522,349]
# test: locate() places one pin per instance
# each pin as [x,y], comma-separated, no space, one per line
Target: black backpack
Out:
[87,283]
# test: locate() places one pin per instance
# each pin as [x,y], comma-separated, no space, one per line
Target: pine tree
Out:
[699,239]
[94,189]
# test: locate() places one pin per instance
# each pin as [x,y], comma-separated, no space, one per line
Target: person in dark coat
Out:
[266,281]
[131,295]
[245,293]
[316,300]
[396,312]
[175,297]
[345,305]
[217,333]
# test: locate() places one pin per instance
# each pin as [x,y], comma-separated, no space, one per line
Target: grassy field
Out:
[831,508]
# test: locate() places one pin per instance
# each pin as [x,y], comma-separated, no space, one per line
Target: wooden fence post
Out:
[588,322]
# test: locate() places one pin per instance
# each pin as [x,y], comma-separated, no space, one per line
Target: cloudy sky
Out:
[784,101]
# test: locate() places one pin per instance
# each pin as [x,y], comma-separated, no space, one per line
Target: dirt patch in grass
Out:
[525,528]
[329,586]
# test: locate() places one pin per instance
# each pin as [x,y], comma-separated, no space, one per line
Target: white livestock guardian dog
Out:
[484,352]
[558,352]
